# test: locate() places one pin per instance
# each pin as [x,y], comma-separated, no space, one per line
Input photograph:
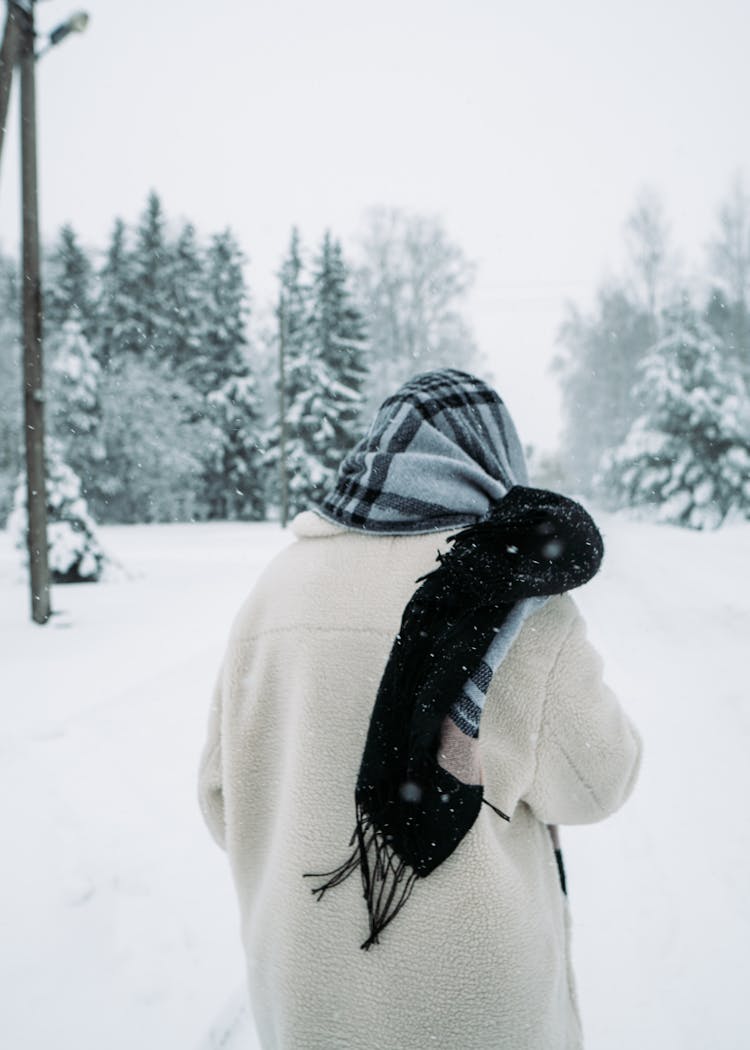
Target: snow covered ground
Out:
[117,917]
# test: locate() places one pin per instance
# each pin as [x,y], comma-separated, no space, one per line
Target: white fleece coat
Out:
[479,958]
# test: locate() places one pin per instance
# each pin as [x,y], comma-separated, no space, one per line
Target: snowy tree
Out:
[116,313]
[75,379]
[181,311]
[73,399]
[187,307]
[307,433]
[74,552]
[731,321]
[235,483]
[325,373]
[339,348]
[153,446]
[600,350]
[687,455]
[729,262]
[597,366]
[225,314]
[412,283]
[149,329]
[216,365]
[69,288]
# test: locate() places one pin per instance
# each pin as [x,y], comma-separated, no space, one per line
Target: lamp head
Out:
[75,24]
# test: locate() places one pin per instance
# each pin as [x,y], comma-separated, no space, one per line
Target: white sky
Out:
[528,127]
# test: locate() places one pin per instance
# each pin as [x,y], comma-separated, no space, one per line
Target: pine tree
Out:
[76,373]
[217,367]
[187,306]
[687,455]
[75,416]
[307,432]
[70,285]
[731,321]
[225,313]
[151,264]
[235,471]
[325,373]
[75,554]
[338,333]
[116,311]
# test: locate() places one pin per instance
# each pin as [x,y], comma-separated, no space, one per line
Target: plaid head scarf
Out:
[443,452]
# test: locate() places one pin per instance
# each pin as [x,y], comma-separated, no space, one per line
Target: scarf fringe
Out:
[387,880]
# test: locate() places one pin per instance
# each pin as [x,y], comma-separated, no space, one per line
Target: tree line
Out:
[163,389]
[656,377]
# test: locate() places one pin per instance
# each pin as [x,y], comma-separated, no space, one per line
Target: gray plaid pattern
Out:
[466,715]
[440,453]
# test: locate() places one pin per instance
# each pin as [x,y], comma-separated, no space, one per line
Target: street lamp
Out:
[75,24]
[18,48]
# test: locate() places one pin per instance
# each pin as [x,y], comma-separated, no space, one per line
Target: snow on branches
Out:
[686,456]
[74,552]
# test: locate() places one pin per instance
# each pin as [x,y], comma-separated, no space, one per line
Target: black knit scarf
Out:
[411,812]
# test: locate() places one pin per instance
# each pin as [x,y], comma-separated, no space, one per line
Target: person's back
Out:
[480,956]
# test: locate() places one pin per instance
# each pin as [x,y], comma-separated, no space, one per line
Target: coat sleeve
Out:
[588,751]
[210,782]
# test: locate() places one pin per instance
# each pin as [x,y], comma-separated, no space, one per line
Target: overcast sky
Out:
[528,127]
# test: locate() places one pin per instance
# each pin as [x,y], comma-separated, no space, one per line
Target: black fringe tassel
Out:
[387,880]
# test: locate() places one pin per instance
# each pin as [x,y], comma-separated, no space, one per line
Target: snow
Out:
[118,918]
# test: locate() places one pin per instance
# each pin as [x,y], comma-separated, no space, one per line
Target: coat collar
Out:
[309,525]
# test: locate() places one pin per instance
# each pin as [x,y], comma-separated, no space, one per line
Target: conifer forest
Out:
[174,397]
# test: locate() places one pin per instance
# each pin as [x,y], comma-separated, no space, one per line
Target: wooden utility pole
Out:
[283,477]
[36,489]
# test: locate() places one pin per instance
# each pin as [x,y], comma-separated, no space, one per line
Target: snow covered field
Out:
[117,919]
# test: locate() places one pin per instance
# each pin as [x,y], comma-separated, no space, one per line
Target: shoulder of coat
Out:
[310,525]
[555,618]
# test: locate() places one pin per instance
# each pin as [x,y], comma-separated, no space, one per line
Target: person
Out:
[413,654]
